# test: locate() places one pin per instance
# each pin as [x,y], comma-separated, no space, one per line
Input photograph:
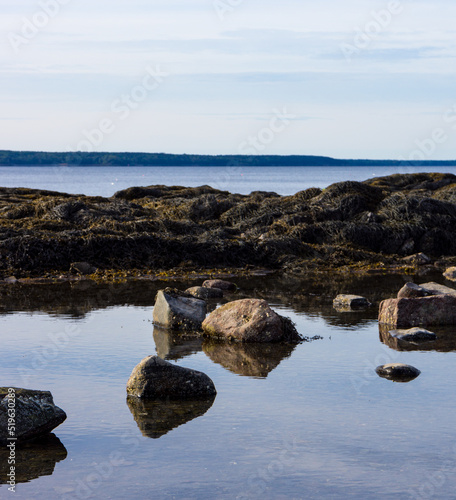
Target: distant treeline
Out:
[29,158]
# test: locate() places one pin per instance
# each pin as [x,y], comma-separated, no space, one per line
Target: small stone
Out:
[344,303]
[414,335]
[204,293]
[11,280]
[178,310]
[398,372]
[411,290]
[226,286]
[418,259]
[83,268]
[450,274]
[155,378]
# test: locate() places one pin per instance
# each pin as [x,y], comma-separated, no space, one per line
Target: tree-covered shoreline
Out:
[101,159]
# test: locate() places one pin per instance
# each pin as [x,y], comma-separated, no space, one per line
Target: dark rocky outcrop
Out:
[35,413]
[154,378]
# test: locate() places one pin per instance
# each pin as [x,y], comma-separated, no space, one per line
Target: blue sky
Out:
[353,79]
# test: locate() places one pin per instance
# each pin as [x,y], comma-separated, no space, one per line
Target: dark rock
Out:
[154,378]
[226,286]
[398,372]
[411,290]
[249,320]
[204,293]
[155,418]
[414,335]
[175,345]
[343,303]
[83,268]
[418,259]
[178,310]
[35,413]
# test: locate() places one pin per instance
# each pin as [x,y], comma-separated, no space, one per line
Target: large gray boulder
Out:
[35,414]
[178,310]
[155,378]
[249,320]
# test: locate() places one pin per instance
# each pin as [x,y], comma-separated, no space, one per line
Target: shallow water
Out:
[314,421]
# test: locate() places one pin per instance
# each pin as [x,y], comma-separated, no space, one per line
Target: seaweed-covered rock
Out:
[344,303]
[178,311]
[155,378]
[35,414]
[398,372]
[249,320]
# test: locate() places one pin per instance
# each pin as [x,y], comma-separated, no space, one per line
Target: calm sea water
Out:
[313,422]
[105,181]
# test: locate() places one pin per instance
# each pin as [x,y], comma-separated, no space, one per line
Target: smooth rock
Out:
[437,289]
[226,286]
[83,268]
[422,311]
[155,378]
[343,303]
[411,290]
[418,259]
[204,293]
[249,320]
[35,413]
[414,335]
[178,310]
[398,372]
[450,274]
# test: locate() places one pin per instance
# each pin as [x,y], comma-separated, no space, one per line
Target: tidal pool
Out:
[288,422]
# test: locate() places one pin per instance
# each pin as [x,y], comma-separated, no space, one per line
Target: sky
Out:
[352,79]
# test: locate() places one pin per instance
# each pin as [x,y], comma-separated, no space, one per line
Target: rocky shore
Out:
[379,224]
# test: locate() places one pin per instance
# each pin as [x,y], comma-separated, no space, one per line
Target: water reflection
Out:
[33,459]
[249,360]
[156,418]
[445,342]
[173,346]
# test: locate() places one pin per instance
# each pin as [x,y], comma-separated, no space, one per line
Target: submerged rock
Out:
[343,303]
[226,286]
[414,335]
[398,372]
[35,413]
[249,320]
[204,293]
[178,311]
[155,418]
[154,378]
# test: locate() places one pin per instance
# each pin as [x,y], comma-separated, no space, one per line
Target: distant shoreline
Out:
[81,159]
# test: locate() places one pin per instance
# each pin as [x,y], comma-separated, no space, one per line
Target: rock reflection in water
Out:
[174,346]
[250,360]
[33,459]
[445,342]
[156,418]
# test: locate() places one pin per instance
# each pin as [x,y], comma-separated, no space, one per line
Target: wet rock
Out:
[437,289]
[414,335]
[178,311]
[398,372]
[418,259]
[155,418]
[445,340]
[154,378]
[249,320]
[450,274]
[83,268]
[204,293]
[344,303]
[422,311]
[34,459]
[226,286]
[411,290]
[35,413]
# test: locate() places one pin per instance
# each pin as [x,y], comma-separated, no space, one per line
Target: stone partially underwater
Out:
[373,223]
